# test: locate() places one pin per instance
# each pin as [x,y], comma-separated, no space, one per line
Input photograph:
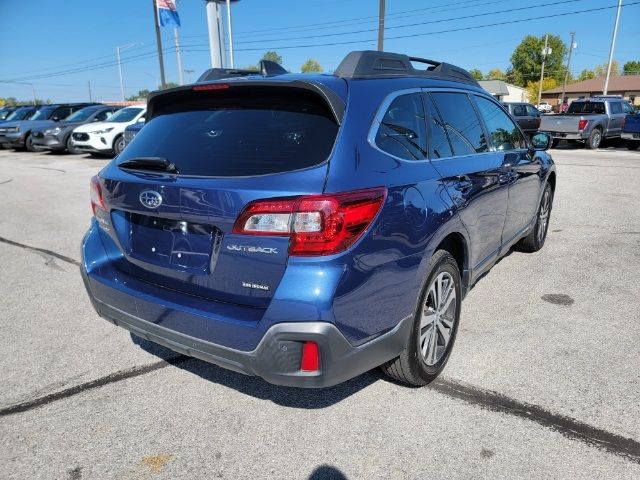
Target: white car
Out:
[544,107]
[106,137]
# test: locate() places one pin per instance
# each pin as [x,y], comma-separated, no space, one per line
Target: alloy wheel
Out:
[437,318]
[595,139]
[543,219]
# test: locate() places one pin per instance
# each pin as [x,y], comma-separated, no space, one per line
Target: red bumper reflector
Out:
[310,357]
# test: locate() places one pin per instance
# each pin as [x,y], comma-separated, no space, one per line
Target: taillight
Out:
[582,124]
[97,200]
[211,86]
[316,224]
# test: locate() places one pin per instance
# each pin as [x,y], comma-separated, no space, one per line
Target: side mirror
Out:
[541,142]
[55,119]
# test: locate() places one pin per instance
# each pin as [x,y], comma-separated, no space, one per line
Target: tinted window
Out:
[402,130]
[61,113]
[125,115]
[102,116]
[519,111]
[42,114]
[437,140]
[504,133]
[532,111]
[239,136]
[626,108]
[616,107]
[586,107]
[462,124]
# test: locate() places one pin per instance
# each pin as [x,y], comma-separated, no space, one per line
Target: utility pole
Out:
[176,40]
[545,52]
[159,43]
[613,44]
[90,96]
[566,75]
[213,22]
[33,90]
[230,34]
[381,27]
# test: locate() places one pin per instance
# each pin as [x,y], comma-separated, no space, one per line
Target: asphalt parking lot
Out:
[543,381]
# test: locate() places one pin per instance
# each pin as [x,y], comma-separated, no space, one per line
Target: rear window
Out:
[586,107]
[233,135]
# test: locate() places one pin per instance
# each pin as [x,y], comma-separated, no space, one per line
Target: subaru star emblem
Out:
[150,199]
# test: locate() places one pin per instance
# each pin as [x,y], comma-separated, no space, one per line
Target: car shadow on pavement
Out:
[307,398]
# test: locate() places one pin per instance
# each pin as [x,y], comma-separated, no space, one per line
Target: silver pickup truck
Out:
[589,120]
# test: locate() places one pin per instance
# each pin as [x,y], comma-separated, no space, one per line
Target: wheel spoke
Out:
[450,295]
[427,317]
[444,333]
[433,348]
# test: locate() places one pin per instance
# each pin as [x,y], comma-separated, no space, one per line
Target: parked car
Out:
[544,107]
[631,131]
[106,138]
[20,113]
[57,137]
[6,111]
[526,115]
[307,228]
[17,134]
[131,131]
[589,120]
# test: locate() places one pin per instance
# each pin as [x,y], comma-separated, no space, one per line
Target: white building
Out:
[505,92]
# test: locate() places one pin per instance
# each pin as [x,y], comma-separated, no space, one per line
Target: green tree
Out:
[477,74]
[526,60]
[169,85]
[141,95]
[632,68]
[601,70]
[311,66]
[496,74]
[586,74]
[273,57]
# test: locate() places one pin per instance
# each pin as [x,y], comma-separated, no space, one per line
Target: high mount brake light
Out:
[582,124]
[316,224]
[211,86]
[97,200]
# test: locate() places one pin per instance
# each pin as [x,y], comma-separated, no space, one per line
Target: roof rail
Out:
[372,64]
[267,67]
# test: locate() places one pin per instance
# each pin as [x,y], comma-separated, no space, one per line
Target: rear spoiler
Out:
[267,67]
[161,98]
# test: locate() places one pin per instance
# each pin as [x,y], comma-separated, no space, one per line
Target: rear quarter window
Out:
[461,122]
[239,135]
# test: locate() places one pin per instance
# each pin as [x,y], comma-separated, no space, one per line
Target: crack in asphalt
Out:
[41,250]
[91,385]
[571,428]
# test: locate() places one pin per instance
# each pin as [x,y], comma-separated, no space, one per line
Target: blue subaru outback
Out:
[308,228]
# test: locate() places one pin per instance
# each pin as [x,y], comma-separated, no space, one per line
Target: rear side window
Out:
[532,111]
[616,107]
[239,135]
[437,136]
[401,132]
[586,107]
[519,111]
[503,131]
[461,122]
[626,108]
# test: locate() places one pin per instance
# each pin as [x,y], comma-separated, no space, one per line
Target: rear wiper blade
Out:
[149,163]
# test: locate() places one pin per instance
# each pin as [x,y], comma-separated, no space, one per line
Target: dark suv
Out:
[308,228]
[526,115]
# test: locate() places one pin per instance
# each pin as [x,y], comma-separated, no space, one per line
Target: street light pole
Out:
[544,59]
[230,34]
[120,73]
[159,44]
[613,44]
[566,75]
[381,26]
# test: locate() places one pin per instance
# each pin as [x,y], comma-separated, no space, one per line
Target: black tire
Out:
[594,140]
[534,241]
[69,145]
[632,145]
[118,145]
[554,142]
[28,144]
[410,366]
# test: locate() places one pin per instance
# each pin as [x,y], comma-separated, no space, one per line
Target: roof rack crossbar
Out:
[372,63]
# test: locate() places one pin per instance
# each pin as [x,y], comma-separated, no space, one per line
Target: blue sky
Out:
[41,39]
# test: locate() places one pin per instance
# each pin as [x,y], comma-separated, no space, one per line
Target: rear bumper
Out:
[568,136]
[276,354]
[631,136]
